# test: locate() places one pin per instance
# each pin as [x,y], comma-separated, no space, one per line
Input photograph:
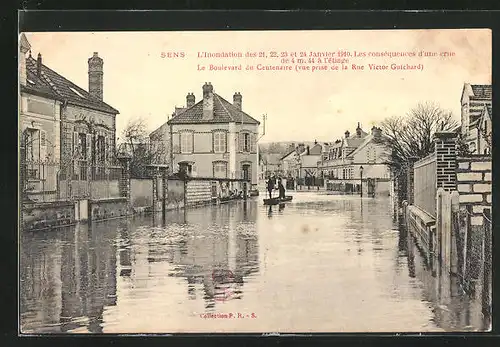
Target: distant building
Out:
[67,132]
[347,157]
[476,104]
[211,138]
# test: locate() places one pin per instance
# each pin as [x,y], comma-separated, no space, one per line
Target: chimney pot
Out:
[39,64]
[347,134]
[237,100]
[208,101]
[190,100]
[95,70]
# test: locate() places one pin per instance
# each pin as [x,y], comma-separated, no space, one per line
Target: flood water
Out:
[321,263]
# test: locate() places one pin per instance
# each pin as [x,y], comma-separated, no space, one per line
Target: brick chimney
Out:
[39,65]
[190,100]
[96,76]
[358,130]
[237,99]
[376,132]
[208,101]
[347,134]
[24,47]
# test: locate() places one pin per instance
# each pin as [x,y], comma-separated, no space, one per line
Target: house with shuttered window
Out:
[69,131]
[212,138]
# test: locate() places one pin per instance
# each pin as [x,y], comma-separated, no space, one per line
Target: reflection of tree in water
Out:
[214,254]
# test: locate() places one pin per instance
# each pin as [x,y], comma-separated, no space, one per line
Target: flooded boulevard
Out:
[322,263]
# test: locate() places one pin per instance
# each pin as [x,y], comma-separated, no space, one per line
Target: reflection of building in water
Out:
[75,269]
[40,283]
[215,250]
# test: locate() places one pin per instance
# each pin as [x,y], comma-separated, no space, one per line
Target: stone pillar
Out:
[410,180]
[446,160]
[124,184]
[164,174]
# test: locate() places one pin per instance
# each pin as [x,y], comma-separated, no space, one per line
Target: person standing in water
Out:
[270,187]
[281,189]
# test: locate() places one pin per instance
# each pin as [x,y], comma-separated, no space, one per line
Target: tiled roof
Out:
[482,91]
[37,85]
[354,141]
[224,112]
[316,150]
[286,155]
[64,88]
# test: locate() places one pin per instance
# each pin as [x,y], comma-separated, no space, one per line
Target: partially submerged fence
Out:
[424,184]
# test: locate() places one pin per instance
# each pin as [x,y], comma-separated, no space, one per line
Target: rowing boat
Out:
[276,201]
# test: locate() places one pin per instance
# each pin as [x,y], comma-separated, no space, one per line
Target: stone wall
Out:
[103,209]
[141,193]
[474,182]
[175,194]
[48,215]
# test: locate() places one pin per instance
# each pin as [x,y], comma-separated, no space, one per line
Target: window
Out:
[220,169]
[219,141]
[186,168]
[82,144]
[248,142]
[101,148]
[246,172]
[186,142]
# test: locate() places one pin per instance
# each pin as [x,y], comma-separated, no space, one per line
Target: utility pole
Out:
[264,117]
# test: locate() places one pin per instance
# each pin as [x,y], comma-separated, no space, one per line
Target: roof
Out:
[317,149]
[288,154]
[354,141]
[37,85]
[482,91]
[224,112]
[63,88]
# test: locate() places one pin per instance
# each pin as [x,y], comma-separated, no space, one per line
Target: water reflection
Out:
[67,278]
[214,255]
[318,263]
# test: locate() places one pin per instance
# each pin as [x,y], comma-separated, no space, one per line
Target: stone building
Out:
[75,128]
[476,110]
[211,138]
[355,158]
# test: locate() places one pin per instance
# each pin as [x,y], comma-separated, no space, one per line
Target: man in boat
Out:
[281,189]
[270,187]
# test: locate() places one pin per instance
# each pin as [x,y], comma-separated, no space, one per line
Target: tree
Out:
[142,149]
[412,135]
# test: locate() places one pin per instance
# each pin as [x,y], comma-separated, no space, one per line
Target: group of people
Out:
[271,184]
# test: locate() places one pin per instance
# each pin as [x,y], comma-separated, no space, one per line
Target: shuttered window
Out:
[186,140]
[220,169]
[219,141]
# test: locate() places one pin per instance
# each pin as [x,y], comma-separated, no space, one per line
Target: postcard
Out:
[302,181]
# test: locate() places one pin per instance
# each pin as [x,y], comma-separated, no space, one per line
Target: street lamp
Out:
[361,175]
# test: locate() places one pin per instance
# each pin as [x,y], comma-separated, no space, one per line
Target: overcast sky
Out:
[299,105]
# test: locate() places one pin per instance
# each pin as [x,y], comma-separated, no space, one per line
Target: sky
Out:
[300,106]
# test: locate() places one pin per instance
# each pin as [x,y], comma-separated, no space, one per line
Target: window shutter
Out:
[89,147]
[253,142]
[75,151]
[242,142]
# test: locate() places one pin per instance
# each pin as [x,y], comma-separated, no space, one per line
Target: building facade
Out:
[75,128]
[476,114]
[212,138]
[359,162]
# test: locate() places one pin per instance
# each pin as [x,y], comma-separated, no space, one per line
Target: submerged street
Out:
[321,263]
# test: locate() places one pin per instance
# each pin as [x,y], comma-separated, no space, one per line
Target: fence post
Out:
[455,229]
[446,160]
[124,185]
[439,224]
[467,248]
[410,180]
[487,264]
